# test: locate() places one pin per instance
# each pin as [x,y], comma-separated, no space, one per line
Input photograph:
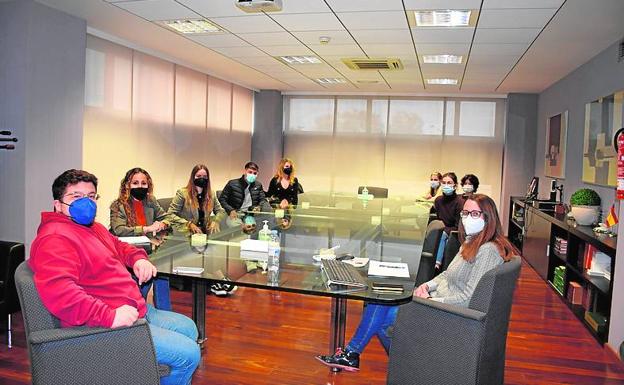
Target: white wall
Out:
[41,101]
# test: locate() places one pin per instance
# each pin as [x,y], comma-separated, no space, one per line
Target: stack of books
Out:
[561,246]
[596,321]
[575,293]
[559,279]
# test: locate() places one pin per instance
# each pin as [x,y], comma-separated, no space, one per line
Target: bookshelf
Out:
[560,252]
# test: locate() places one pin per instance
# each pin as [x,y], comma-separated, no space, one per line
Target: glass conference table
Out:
[390,230]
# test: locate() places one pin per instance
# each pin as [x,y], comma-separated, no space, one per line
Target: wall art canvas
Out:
[603,117]
[556,135]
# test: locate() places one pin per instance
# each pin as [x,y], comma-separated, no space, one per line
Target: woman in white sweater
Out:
[483,248]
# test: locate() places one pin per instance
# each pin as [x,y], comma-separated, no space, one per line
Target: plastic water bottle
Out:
[273,259]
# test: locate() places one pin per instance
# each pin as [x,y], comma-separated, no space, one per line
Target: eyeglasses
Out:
[77,195]
[473,213]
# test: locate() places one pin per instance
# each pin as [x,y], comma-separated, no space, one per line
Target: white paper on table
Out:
[254,245]
[388,269]
[135,240]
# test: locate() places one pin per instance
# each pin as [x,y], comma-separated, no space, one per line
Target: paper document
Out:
[135,240]
[388,269]
[255,245]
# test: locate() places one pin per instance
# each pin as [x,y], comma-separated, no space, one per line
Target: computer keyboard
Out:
[340,273]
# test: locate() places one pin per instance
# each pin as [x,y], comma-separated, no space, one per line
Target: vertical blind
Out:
[340,143]
[141,111]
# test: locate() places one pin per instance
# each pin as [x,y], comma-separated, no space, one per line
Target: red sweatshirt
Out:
[80,271]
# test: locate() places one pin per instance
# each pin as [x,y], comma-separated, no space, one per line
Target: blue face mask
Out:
[448,190]
[82,211]
[250,178]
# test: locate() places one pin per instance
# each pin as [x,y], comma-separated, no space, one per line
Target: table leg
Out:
[337,326]
[200,289]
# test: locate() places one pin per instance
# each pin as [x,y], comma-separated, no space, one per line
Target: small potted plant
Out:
[585,206]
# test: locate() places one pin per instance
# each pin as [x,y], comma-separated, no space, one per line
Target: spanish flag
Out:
[612,219]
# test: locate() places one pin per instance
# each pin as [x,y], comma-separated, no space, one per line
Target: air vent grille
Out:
[621,52]
[373,64]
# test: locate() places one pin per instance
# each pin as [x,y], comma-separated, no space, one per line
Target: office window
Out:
[312,115]
[351,115]
[416,117]
[379,116]
[477,118]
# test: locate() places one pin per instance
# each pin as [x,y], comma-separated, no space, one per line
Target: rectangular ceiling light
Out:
[330,80]
[300,59]
[443,81]
[190,26]
[442,59]
[444,18]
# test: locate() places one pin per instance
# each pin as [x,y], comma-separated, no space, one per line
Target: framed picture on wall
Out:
[603,117]
[555,154]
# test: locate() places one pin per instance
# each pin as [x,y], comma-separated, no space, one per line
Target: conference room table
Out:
[390,230]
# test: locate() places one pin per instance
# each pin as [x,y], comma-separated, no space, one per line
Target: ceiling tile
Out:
[443,35]
[433,71]
[388,49]
[442,4]
[259,60]
[374,20]
[287,50]
[337,49]
[218,40]
[489,4]
[515,18]
[269,38]
[307,6]
[498,49]
[248,24]
[500,35]
[336,37]
[455,49]
[213,8]
[158,10]
[365,5]
[308,21]
[372,36]
[488,61]
[362,75]
[240,51]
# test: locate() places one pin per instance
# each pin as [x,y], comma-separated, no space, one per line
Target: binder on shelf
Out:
[575,293]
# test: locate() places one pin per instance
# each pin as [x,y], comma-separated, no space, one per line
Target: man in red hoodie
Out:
[81,273]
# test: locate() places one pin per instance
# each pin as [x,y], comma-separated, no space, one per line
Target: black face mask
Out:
[287,170]
[138,193]
[200,182]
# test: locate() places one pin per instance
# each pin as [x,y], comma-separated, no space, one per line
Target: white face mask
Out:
[468,188]
[473,225]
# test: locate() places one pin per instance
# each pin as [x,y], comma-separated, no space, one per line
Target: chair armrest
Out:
[452,309]
[426,254]
[51,335]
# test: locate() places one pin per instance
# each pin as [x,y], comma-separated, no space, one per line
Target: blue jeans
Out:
[376,320]
[441,247]
[162,300]
[175,342]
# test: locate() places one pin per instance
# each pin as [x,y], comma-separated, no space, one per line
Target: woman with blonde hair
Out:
[484,247]
[192,206]
[284,186]
[137,212]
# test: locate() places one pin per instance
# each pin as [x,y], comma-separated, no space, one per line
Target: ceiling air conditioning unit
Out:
[256,6]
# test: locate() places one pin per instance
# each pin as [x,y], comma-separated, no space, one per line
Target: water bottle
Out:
[273,259]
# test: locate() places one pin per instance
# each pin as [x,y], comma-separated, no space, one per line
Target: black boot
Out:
[342,359]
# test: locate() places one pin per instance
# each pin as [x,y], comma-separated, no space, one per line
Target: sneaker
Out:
[346,360]
[218,290]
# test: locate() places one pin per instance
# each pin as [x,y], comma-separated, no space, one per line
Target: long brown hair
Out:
[124,197]
[279,173]
[492,232]
[193,200]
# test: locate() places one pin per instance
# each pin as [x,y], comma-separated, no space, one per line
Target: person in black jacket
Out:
[243,196]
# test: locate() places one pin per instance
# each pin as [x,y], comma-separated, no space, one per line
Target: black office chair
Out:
[426,267]
[12,254]
[450,250]
[378,192]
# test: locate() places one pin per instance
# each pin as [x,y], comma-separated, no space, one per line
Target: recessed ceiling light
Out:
[300,59]
[330,80]
[442,59]
[442,81]
[190,26]
[444,18]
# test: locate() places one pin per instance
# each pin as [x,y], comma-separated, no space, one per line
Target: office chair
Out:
[12,254]
[470,346]
[426,265]
[164,203]
[378,192]
[450,250]
[83,355]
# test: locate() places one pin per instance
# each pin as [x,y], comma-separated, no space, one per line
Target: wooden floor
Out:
[259,337]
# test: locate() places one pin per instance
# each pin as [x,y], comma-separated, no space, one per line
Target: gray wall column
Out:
[267,142]
[41,101]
